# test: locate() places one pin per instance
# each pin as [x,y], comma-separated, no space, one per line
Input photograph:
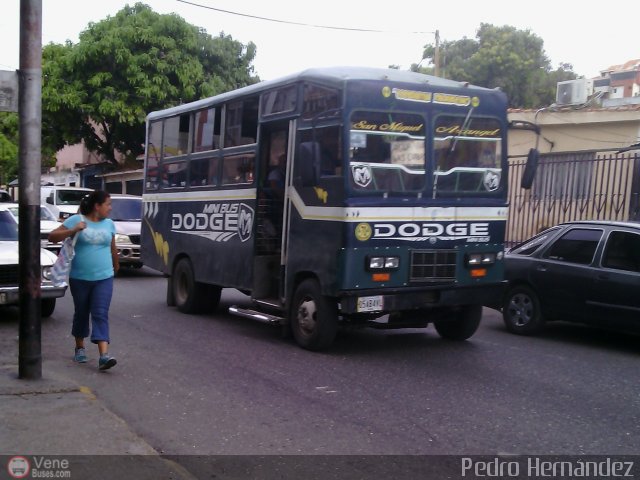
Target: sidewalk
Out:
[56,418]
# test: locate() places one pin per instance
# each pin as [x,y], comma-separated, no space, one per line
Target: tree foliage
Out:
[502,57]
[101,89]
[8,146]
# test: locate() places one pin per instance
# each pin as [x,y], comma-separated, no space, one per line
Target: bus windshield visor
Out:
[468,153]
[387,152]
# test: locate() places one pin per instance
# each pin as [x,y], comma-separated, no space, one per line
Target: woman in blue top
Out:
[92,270]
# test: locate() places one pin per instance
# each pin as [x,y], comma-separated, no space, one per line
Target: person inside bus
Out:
[276,177]
[275,184]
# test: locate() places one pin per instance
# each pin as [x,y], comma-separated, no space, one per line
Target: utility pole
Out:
[436,57]
[30,129]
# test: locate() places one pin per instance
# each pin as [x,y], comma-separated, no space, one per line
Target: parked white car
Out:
[48,223]
[9,263]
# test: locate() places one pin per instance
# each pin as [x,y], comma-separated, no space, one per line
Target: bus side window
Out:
[203,171]
[238,169]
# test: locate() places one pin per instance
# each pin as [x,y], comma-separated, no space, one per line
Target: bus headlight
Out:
[477,259]
[383,263]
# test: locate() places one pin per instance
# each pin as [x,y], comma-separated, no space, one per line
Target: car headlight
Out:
[46,273]
[122,238]
[383,263]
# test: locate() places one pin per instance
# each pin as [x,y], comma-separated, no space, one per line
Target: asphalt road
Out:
[224,385]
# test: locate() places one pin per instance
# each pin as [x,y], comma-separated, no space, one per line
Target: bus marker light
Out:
[381,277]
[479,272]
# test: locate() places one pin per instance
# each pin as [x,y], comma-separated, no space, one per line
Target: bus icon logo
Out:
[361,175]
[18,467]
[245,222]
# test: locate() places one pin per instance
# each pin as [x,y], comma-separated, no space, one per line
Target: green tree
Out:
[506,58]
[101,89]
[8,146]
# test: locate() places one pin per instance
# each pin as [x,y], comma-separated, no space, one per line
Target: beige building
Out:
[586,171]
[570,129]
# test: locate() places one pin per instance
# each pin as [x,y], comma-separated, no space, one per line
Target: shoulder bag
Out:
[61,268]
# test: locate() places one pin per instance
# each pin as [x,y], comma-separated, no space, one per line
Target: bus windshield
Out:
[386,152]
[468,154]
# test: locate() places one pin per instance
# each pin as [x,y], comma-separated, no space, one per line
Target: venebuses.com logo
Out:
[18,467]
[39,467]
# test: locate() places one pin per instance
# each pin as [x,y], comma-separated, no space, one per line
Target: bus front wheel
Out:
[462,325]
[191,296]
[314,317]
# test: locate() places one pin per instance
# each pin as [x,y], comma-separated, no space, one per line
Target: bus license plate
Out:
[370,304]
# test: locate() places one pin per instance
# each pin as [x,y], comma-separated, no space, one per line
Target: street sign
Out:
[8,91]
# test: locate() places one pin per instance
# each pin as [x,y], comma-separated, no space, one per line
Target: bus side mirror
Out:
[530,168]
[49,200]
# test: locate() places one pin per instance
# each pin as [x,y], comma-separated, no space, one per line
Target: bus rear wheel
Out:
[47,306]
[463,325]
[314,317]
[191,296]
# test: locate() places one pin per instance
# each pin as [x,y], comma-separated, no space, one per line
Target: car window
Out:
[126,209]
[8,227]
[578,245]
[45,214]
[622,251]
[70,197]
[530,246]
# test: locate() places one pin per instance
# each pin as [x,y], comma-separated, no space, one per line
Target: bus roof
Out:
[329,76]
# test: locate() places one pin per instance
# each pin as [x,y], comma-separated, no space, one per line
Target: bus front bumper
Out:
[417,298]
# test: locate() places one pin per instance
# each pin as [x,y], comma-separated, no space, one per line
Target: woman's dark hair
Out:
[89,201]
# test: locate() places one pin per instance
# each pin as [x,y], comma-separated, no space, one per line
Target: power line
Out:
[288,22]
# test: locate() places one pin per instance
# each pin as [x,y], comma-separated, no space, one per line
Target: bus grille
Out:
[433,266]
[9,275]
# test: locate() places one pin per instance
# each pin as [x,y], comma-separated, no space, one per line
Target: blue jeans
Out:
[91,299]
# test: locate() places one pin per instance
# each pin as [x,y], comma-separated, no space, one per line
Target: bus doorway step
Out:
[255,315]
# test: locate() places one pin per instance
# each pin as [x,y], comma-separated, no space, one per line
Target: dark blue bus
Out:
[335,196]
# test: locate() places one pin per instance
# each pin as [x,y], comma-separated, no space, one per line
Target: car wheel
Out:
[191,296]
[48,305]
[521,311]
[463,325]
[314,317]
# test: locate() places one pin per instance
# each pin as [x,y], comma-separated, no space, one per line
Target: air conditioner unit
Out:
[574,92]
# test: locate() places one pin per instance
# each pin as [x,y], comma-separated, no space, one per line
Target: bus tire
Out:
[171,300]
[463,325]
[47,306]
[314,317]
[189,296]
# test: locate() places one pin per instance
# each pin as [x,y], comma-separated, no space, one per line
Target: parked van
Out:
[63,201]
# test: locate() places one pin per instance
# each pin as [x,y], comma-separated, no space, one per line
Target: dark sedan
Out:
[587,272]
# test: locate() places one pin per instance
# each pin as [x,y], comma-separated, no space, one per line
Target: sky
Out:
[589,38]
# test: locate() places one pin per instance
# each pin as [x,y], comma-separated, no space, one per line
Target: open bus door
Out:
[272,213]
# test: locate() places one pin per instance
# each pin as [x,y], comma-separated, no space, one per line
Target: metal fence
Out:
[573,186]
